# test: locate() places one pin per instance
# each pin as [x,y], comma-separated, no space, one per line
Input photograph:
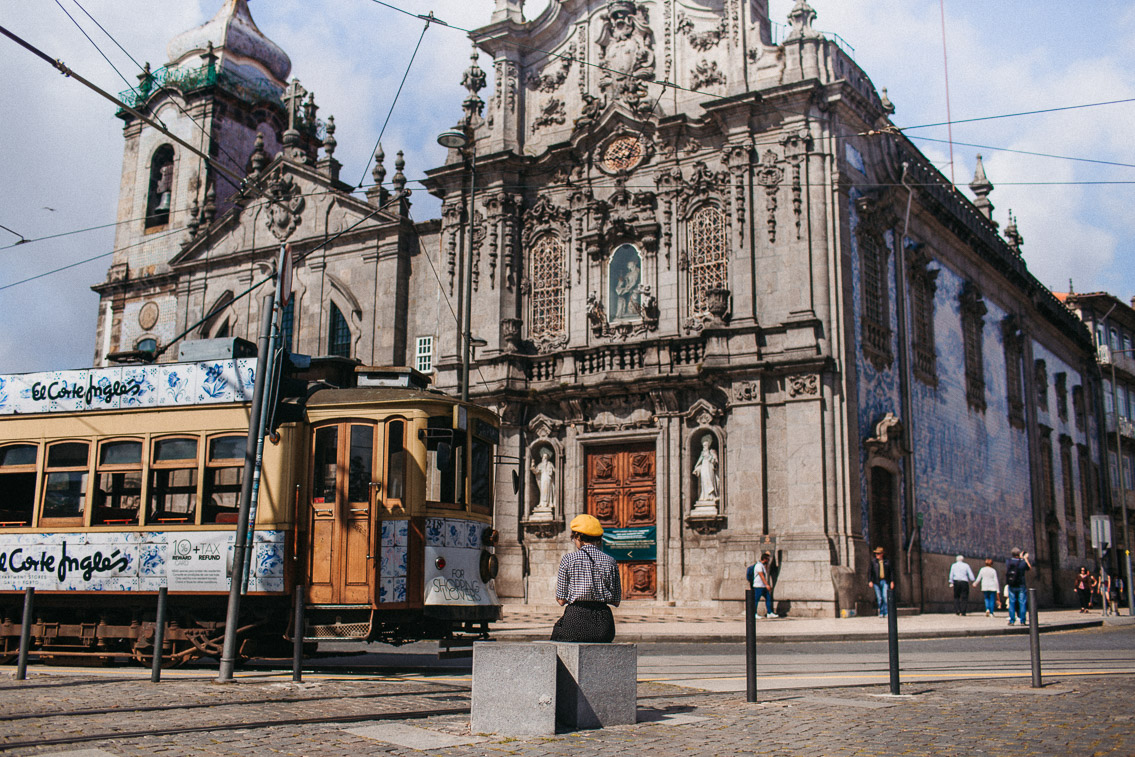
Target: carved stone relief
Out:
[552,113]
[626,53]
[700,41]
[706,74]
[803,385]
[553,77]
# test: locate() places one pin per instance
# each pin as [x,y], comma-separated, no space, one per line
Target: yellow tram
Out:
[116,482]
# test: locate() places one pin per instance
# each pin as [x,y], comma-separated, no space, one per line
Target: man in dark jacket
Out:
[1015,568]
[881,579]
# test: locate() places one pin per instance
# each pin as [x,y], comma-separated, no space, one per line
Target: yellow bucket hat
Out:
[587,525]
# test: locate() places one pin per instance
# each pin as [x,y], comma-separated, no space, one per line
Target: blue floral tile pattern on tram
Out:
[435,532]
[392,590]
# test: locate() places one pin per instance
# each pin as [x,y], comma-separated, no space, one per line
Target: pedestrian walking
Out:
[989,584]
[1104,588]
[1085,585]
[1015,568]
[881,578]
[587,585]
[961,576]
[761,581]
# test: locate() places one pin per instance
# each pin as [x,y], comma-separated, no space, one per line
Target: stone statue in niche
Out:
[625,272]
[545,474]
[706,470]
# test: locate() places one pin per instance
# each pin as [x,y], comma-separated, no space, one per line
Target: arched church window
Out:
[161,187]
[339,334]
[547,286]
[708,262]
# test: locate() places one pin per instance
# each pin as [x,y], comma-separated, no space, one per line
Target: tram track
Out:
[87,738]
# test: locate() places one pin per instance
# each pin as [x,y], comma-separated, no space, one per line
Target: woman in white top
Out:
[987,578]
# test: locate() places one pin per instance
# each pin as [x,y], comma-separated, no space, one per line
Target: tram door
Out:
[341,517]
[621,494]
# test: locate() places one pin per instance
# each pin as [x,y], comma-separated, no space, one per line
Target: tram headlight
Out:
[490,536]
[489,566]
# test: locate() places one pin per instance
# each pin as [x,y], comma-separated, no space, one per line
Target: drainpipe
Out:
[905,389]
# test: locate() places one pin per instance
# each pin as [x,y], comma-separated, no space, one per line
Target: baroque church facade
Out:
[717,299]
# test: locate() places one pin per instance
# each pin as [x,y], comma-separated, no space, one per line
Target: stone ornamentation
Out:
[769,176]
[700,41]
[551,113]
[285,205]
[626,46]
[803,385]
[550,82]
[706,74]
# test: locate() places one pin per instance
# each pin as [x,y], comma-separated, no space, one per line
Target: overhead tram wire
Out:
[429,19]
[141,68]
[1028,152]
[68,72]
[1021,113]
[95,45]
[86,260]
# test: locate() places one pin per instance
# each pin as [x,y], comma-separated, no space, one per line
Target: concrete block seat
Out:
[527,688]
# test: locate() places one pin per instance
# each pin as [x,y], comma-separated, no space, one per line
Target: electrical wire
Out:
[1028,152]
[394,102]
[1021,113]
[87,260]
[95,45]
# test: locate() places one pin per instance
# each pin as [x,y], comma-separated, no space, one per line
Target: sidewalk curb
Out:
[638,637]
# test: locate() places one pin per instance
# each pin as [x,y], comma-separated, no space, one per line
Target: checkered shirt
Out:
[589,575]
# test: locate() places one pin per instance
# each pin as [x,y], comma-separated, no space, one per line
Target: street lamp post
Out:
[461,139]
[1119,476]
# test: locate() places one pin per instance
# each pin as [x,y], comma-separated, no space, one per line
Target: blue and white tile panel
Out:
[393,561]
[459,582]
[125,387]
[137,561]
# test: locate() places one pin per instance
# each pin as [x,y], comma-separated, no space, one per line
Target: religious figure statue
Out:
[627,290]
[705,469]
[626,46]
[545,473]
[596,315]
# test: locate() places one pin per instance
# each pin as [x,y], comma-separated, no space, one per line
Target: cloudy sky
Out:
[61,153]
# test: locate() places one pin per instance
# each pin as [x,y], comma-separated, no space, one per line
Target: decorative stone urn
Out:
[510,335]
[717,302]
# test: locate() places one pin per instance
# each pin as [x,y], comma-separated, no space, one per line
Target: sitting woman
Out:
[586,586]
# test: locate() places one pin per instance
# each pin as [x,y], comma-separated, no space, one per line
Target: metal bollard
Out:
[297,637]
[1034,639]
[25,633]
[893,640]
[159,635]
[750,646]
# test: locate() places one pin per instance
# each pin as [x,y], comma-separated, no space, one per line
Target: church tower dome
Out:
[240,46]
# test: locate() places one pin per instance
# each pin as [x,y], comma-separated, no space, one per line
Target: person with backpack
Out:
[761,582]
[1015,568]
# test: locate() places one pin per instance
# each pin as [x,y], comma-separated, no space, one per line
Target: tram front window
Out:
[17,484]
[360,465]
[395,463]
[65,482]
[481,475]
[173,482]
[118,494]
[445,462]
[224,474]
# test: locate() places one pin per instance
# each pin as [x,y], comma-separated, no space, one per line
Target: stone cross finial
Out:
[293,99]
[981,188]
[473,80]
[378,194]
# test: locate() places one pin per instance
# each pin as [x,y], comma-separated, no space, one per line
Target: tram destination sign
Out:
[631,543]
[126,387]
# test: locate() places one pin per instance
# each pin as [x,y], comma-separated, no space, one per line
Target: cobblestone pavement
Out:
[109,716]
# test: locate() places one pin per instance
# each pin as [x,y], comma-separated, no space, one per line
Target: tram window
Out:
[395,460]
[361,464]
[224,474]
[65,480]
[118,492]
[325,456]
[173,482]
[481,474]
[445,463]
[17,484]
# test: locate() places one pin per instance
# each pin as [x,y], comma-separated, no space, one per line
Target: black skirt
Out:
[589,622]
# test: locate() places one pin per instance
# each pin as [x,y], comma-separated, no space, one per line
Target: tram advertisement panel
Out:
[136,561]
